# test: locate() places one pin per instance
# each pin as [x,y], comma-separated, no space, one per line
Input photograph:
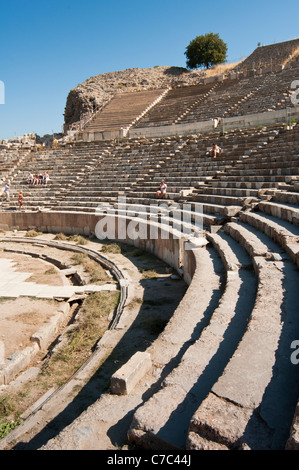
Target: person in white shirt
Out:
[7,189]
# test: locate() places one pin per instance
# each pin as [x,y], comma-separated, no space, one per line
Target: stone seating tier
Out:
[239,333]
[136,168]
[232,409]
[231,97]
[121,111]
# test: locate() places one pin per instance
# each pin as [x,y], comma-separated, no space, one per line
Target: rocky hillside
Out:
[96,91]
[283,53]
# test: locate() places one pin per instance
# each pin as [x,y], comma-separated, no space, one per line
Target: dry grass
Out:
[61,365]
[293,55]
[149,274]
[33,233]
[220,69]
[94,269]
[78,239]
[60,236]
[81,339]
[111,248]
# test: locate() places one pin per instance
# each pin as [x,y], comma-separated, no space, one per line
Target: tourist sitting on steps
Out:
[30,178]
[161,193]
[45,178]
[36,179]
[215,151]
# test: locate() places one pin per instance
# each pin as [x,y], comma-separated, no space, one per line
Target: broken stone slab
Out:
[232,211]
[196,442]
[127,377]
[215,228]
[20,361]
[47,332]
[225,423]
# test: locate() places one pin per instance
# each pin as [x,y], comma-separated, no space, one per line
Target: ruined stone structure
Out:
[221,374]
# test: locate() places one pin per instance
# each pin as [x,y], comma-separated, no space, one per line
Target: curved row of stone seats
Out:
[284,233]
[235,385]
[135,168]
[65,167]
[288,212]
[263,173]
[253,403]
[203,361]
[122,110]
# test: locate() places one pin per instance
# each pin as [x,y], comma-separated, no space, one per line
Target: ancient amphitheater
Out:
[198,348]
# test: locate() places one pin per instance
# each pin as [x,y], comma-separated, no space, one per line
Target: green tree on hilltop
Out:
[205,51]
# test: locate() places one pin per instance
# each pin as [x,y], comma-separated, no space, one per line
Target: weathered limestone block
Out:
[220,421]
[127,377]
[46,333]
[196,442]
[20,361]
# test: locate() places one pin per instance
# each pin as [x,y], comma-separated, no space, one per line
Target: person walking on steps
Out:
[7,190]
[20,200]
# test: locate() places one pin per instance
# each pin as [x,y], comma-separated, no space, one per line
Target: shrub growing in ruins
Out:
[205,51]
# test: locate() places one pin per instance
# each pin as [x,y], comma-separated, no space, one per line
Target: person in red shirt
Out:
[20,200]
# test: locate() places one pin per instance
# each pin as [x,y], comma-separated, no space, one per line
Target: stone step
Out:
[176,338]
[283,233]
[257,375]
[203,361]
[287,212]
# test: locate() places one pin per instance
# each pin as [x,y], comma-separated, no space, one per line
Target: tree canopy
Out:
[205,51]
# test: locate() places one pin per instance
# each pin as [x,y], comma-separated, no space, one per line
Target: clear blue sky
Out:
[48,47]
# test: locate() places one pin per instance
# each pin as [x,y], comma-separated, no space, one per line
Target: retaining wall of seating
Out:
[238,122]
[164,242]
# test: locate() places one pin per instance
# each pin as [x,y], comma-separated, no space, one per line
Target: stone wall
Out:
[166,244]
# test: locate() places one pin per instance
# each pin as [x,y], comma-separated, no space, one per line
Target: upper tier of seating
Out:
[230,97]
[122,110]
